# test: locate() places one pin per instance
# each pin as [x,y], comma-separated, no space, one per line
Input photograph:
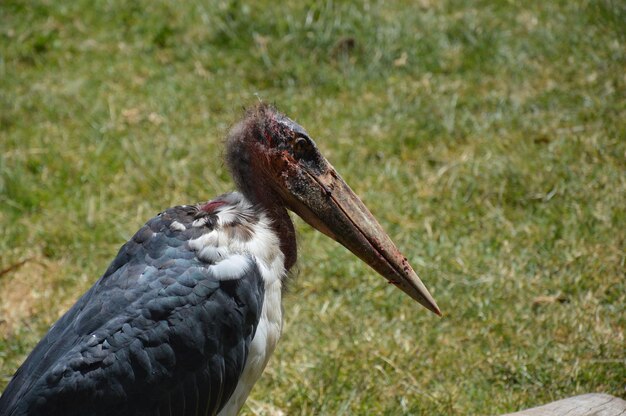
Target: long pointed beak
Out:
[327,203]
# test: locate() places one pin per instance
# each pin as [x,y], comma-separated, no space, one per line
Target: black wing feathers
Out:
[157,334]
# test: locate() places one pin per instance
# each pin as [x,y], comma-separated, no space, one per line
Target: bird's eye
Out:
[301,147]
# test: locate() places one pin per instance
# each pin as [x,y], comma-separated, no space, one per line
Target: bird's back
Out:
[161,332]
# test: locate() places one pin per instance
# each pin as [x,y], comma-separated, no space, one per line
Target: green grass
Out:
[489,138]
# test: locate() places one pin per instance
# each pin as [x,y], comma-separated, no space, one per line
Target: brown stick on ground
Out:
[14,266]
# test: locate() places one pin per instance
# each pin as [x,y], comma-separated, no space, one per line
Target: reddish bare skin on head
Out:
[249,152]
[275,163]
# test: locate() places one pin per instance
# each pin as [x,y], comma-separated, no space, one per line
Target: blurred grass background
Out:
[488,137]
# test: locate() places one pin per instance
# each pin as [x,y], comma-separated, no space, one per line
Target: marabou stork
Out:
[186,317]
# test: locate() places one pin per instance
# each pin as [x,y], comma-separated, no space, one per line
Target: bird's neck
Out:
[283,226]
[240,157]
[264,196]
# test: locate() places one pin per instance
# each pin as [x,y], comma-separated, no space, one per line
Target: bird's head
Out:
[271,156]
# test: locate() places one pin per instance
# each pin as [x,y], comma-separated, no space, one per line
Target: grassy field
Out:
[488,137]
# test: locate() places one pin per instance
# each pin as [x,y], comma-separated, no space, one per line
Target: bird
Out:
[186,317]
